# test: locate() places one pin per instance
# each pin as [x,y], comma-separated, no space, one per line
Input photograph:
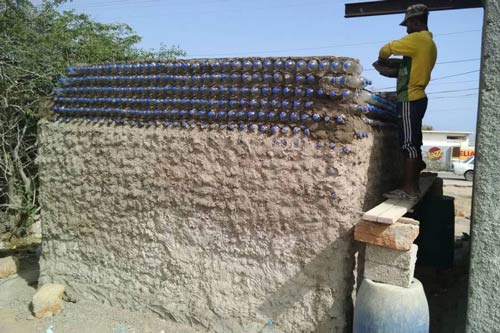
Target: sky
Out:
[229,28]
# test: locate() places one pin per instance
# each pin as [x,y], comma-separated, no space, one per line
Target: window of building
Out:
[455,137]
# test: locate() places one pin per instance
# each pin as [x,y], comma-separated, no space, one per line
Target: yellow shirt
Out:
[419,56]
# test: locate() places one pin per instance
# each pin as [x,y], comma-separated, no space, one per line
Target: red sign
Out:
[434,153]
[466,153]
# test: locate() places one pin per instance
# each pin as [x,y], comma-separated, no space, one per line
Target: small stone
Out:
[36,229]
[8,266]
[48,300]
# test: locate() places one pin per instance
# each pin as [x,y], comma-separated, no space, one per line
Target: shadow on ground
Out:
[446,291]
[28,256]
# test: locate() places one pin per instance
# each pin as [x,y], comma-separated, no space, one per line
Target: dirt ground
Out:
[17,292]
[446,291]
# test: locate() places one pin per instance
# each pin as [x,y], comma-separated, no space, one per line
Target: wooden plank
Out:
[370,8]
[391,210]
[399,210]
[374,213]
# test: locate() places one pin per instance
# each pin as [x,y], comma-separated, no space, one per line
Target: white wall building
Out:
[446,138]
[441,148]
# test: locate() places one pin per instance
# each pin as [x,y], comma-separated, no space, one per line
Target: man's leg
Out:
[419,108]
[411,173]
[412,115]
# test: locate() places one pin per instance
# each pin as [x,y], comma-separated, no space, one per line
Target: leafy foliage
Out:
[36,45]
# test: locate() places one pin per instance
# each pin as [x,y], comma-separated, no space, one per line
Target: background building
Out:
[441,148]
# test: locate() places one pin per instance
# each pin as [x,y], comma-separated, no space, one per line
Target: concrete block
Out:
[389,274]
[401,259]
[397,236]
[48,300]
[8,266]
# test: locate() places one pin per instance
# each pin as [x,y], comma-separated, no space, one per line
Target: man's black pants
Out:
[410,115]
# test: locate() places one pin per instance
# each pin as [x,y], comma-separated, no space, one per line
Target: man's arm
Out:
[405,46]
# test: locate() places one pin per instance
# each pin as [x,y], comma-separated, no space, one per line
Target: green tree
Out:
[427,127]
[36,45]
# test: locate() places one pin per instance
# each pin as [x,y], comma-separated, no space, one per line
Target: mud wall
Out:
[220,193]
[220,229]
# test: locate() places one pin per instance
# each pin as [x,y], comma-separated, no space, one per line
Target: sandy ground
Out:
[446,291]
[16,293]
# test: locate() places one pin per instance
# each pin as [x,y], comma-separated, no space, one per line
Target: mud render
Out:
[132,219]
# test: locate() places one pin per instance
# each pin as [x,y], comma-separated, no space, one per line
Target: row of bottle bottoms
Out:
[192,91]
[214,114]
[350,81]
[374,102]
[213,92]
[199,114]
[263,128]
[219,103]
[312,65]
[232,103]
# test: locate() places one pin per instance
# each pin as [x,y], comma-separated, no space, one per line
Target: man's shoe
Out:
[400,194]
[394,194]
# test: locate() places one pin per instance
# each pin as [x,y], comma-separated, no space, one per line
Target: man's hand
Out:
[383,61]
[387,67]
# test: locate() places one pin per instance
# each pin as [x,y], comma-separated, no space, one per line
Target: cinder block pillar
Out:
[483,311]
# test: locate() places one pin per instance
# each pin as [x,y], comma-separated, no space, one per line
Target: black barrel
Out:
[436,240]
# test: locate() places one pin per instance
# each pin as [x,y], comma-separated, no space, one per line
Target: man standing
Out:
[419,56]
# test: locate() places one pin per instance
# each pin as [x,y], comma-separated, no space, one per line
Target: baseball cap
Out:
[413,11]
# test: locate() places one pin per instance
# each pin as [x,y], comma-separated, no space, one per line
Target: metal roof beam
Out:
[372,8]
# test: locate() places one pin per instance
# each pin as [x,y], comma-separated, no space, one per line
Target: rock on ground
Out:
[8,266]
[48,300]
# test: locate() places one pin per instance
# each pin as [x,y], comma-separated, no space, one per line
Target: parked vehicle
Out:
[465,168]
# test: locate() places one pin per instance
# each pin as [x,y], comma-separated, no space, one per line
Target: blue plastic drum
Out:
[384,308]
